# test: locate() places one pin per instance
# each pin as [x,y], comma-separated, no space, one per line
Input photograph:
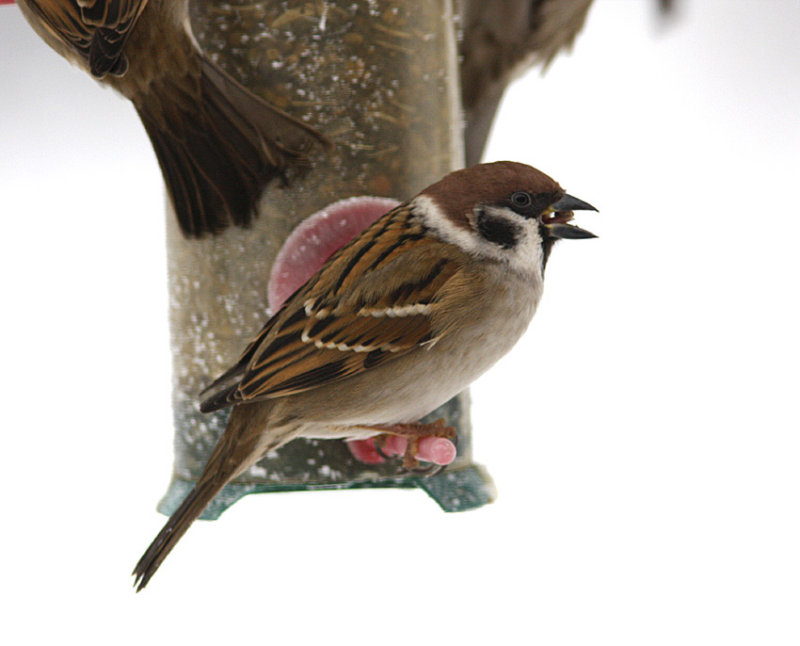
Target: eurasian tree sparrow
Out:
[217,143]
[394,324]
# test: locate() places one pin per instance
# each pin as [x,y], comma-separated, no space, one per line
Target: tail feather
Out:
[218,146]
[242,443]
[233,453]
[194,504]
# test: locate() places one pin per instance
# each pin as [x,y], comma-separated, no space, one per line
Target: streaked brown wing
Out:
[357,313]
[95,29]
[111,14]
[63,20]
[113,20]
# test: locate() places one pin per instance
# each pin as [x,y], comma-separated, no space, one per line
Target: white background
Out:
[643,436]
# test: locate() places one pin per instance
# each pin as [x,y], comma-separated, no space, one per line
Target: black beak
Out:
[556,220]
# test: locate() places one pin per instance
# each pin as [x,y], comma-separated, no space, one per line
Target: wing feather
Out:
[355,314]
[96,30]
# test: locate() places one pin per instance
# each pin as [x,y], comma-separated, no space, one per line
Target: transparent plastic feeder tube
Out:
[379,79]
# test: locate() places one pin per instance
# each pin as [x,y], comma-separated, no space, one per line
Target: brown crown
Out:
[458,193]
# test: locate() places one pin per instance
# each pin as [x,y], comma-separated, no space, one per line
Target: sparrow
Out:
[500,39]
[217,143]
[394,324]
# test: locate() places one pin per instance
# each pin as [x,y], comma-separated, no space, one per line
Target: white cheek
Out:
[432,217]
[525,258]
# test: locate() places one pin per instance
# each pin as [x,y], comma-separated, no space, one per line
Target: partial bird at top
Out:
[500,39]
[217,143]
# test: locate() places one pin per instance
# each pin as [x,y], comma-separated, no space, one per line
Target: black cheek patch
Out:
[498,230]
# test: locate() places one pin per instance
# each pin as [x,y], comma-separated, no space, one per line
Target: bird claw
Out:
[379,442]
[414,433]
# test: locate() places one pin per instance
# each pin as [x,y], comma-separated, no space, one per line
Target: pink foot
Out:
[437,450]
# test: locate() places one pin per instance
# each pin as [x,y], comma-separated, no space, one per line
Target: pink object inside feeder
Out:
[306,249]
[317,238]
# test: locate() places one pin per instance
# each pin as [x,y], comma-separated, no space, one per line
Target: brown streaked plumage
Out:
[218,144]
[397,322]
[335,327]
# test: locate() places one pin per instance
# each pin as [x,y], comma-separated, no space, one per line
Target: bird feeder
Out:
[379,79]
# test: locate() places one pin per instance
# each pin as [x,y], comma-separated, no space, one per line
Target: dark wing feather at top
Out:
[218,144]
[113,20]
[355,314]
[95,29]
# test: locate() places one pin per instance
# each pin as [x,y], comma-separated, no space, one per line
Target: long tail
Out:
[239,447]
[218,145]
[197,500]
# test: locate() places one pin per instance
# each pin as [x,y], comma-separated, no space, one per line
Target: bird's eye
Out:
[521,200]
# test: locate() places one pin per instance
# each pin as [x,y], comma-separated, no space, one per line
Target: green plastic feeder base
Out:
[453,490]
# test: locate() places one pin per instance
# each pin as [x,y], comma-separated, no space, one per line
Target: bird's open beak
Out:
[556,219]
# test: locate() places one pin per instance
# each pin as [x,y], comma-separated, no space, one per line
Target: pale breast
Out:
[409,387]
